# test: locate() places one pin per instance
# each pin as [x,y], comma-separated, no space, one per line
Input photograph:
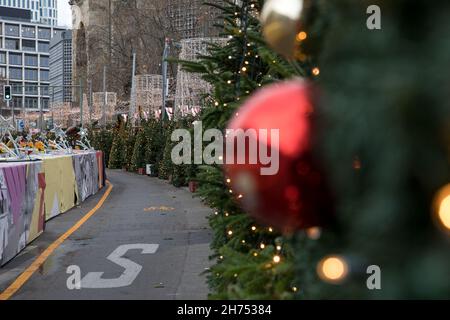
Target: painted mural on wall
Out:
[21,221]
[5,216]
[34,192]
[60,193]
[87,175]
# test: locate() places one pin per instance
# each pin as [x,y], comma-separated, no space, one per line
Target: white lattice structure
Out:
[192,18]
[66,115]
[190,86]
[122,107]
[98,105]
[149,91]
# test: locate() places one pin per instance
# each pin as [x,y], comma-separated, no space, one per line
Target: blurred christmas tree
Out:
[155,144]
[166,165]
[102,139]
[252,261]
[130,139]
[117,158]
[384,131]
[384,116]
[182,172]
[140,146]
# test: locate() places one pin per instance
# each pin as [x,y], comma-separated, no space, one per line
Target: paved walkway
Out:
[148,241]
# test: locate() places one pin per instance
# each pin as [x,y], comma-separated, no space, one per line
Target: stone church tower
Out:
[90,28]
[106,32]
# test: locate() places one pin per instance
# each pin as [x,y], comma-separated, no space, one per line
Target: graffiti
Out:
[4,226]
[87,175]
[18,223]
[33,192]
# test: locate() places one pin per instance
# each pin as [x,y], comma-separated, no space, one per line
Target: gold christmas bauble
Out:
[281,24]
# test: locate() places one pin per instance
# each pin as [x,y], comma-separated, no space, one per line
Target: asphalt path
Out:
[149,240]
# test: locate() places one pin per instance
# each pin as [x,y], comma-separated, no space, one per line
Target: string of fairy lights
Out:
[441,209]
[250,59]
[333,268]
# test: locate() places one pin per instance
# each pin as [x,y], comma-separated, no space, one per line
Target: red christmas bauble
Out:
[295,196]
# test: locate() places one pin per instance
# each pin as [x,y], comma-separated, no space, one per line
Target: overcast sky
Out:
[65,13]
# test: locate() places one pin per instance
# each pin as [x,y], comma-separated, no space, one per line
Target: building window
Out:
[28,32]
[17,102]
[45,90]
[28,45]
[31,74]
[15,73]
[44,103]
[44,33]
[31,103]
[12,30]
[15,59]
[44,75]
[12,44]
[44,62]
[17,88]
[31,89]
[2,72]
[43,47]
[3,57]
[31,60]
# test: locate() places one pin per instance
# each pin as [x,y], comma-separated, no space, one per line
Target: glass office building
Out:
[48,10]
[25,61]
[42,11]
[61,67]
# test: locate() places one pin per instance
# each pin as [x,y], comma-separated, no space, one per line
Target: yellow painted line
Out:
[26,275]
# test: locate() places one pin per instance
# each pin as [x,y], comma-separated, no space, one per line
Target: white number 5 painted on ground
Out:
[93,280]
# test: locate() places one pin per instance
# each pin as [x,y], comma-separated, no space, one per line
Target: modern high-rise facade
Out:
[48,10]
[42,11]
[61,67]
[25,60]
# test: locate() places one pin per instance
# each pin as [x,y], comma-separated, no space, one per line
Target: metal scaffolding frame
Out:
[192,18]
[149,91]
[190,86]
[65,115]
